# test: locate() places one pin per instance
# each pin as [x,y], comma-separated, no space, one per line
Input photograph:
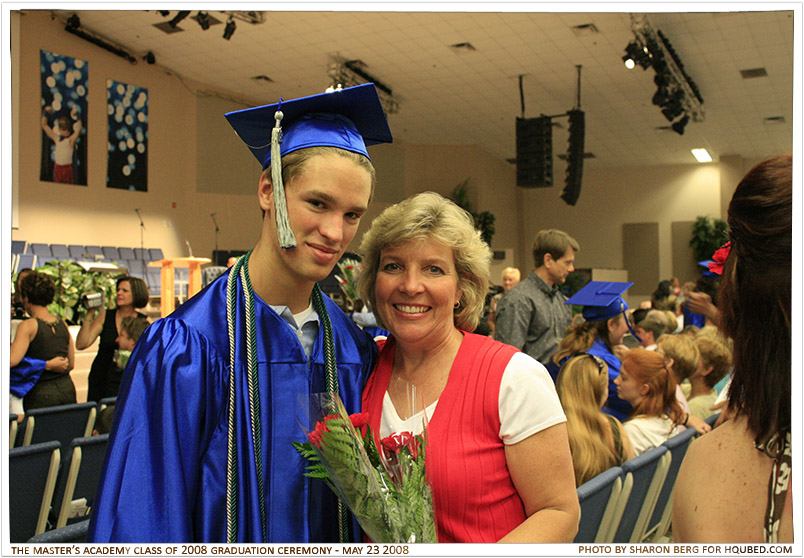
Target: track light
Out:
[73,22]
[177,18]
[149,57]
[678,127]
[230,29]
[203,20]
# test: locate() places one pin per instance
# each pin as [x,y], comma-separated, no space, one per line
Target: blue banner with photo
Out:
[63,122]
[127,109]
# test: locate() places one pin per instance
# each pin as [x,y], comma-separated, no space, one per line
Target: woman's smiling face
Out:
[416,291]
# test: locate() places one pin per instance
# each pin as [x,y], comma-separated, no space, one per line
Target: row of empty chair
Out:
[633,503]
[46,252]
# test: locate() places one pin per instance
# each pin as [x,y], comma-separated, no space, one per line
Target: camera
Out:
[92,300]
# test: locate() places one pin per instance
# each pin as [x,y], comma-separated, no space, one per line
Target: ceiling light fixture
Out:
[676,94]
[177,18]
[230,29]
[203,20]
[702,155]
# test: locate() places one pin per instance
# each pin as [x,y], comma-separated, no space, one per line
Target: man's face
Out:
[646,336]
[325,203]
[508,281]
[557,270]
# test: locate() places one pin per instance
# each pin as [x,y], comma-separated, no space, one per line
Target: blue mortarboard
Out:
[602,300]
[706,272]
[350,119]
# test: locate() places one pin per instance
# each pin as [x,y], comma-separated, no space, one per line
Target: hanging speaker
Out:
[534,152]
[572,188]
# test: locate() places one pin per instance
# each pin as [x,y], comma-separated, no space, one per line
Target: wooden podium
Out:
[169,266]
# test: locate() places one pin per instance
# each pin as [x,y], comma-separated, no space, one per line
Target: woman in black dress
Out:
[132,293]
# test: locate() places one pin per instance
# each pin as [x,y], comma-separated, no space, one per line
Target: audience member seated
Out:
[597,440]
[646,383]
[131,327]
[714,366]
[510,278]
[734,484]
[682,358]
[649,330]
[103,424]
[17,308]
[43,337]
[132,293]
[601,334]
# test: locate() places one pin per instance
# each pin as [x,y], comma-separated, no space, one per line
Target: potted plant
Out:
[484,221]
[708,234]
[73,282]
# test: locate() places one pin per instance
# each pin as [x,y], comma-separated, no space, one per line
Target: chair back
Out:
[126,253]
[644,476]
[18,246]
[60,252]
[210,273]
[74,533]
[31,479]
[111,253]
[12,430]
[78,252]
[62,423]
[660,519]
[41,250]
[156,254]
[598,498]
[79,476]
[712,419]
[135,268]
[25,261]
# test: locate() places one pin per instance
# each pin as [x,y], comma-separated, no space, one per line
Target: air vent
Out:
[585,29]
[262,77]
[166,28]
[775,120]
[463,47]
[753,73]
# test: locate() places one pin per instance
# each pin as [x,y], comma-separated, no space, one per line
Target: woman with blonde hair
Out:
[647,384]
[597,440]
[491,408]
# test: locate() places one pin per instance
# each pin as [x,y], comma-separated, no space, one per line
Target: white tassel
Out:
[283,230]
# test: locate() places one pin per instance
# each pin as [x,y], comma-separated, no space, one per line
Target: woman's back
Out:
[52,339]
[734,506]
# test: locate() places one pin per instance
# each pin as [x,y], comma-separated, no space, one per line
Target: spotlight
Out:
[203,20]
[73,22]
[177,18]
[230,29]
[149,57]
[660,97]
[678,127]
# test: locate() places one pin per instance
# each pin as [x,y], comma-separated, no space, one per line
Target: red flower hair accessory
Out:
[719,258]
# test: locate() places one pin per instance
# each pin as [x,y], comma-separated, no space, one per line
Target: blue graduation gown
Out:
[616,407]
[25,375]
[164,479]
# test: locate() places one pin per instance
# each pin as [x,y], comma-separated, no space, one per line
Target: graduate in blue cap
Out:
[606,323]
[210,401]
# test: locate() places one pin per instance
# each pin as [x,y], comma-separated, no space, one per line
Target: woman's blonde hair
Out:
[685,355]
[583,385]
[430,216]
[648,368]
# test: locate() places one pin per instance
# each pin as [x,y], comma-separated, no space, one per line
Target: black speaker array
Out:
[534,152]
[572,188]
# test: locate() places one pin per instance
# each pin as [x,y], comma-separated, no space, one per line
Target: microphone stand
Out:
[217,230]
[142,248]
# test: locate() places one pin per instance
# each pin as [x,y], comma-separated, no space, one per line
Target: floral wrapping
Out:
[385,488]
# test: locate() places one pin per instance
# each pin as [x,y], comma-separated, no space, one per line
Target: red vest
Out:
[475,499]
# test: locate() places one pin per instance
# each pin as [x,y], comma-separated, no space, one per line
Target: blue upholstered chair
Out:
[79,476]
[62,423]
[32,474]
[598,498]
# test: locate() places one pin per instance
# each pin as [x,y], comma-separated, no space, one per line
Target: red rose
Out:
[719,258]
[359,420]
[399,440]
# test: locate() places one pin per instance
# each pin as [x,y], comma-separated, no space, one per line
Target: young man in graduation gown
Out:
[214,394]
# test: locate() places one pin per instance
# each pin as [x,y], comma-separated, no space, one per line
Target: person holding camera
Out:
[132,293]
[43,337]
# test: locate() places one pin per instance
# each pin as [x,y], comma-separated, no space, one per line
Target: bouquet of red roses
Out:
[385,488]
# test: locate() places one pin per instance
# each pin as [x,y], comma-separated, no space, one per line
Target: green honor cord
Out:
[330,366]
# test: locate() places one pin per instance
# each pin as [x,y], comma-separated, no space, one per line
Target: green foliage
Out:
[708,234]
[72,282]
[484,221]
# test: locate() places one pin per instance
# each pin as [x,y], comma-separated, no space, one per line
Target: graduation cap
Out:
[602,300]
[350,119]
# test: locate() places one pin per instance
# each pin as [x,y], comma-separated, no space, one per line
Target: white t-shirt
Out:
[528,403]
[649,432]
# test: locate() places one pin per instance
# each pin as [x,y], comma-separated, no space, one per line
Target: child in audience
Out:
[714,365]
[682,359]
[647,384]
[103,424]
[131,328]
[597,440]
